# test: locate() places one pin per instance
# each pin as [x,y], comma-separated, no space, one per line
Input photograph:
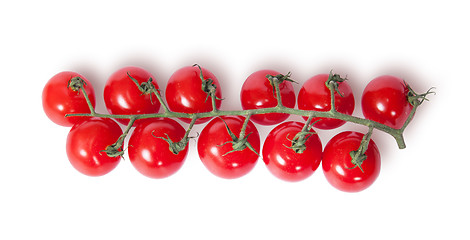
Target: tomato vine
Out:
[408,100]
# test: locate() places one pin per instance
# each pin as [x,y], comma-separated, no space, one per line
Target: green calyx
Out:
[238,143]
[333,81]
[145,87]
[416,99]
[114,150]
[208,86]
[175,147]
[299,140]
[357,158]
[278,79]
[76,83]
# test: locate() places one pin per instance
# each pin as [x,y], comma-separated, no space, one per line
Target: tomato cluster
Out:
[229,145]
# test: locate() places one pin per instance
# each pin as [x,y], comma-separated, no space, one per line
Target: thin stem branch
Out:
[278,93]
[191,124]
[243,129]
[408,120]
[213,100]
[85,94]
[307,125]
[332,96]
[160,99]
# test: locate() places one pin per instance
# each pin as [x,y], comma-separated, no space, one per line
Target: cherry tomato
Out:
[150,154]
[58,99]
[337,166]
[216,151]
[282,161]
[184,92]
[257,92]
[123,97]
[87,140]
[315,95]
[385,100]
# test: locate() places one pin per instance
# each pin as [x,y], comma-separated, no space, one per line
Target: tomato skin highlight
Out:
[184,92]
[257,92]
[385,100]
[58,99]
[150,155]
[123,97]
[85,143]
[285,163]
[315,95]
[213,151]
[337,166]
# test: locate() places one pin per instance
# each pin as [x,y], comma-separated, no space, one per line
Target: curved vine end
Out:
[400,141]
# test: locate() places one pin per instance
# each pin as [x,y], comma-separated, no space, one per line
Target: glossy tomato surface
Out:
[58,99]
[385,100]
[257,92]
[337,166]
[282,161]
[150,154]
[87,140]
[123,97]
[184,92]
[214,147]
[315,95]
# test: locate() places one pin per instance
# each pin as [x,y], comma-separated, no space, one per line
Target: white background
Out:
[422,191]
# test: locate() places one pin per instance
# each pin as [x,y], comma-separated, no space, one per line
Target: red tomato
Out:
[215,150]
[315,95]
[184,92]
[337,166]
[123,97]
[257,92]
[282,161]
[385,100]
[87,140]
[150,154]
[58,99]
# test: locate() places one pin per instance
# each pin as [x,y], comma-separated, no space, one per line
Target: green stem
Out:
[307,113]
[408,120]
[191,124]
[243,129]
[307,125]
[332,97]
[90,106]
[278,92]
[160,99]
[213,100]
